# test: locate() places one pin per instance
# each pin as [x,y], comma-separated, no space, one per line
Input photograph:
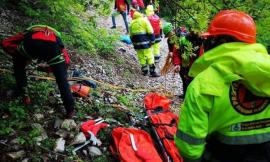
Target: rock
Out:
[84,152]
[88,117]
[57,123]
[99,143]
[60,145]
[121,49]
[38,117]
[15,147]
[104,149]
[16,155]
[71,135]
[43,134]
[68,124]
[62,133]
[26,160]
[94,151]
[14,141]
[79,138]
[51,111]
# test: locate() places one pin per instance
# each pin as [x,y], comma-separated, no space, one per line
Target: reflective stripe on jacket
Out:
[157,38]
[141,32]
[214,106]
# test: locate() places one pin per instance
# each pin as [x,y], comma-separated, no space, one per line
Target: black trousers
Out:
[219,152]
[185,78]
[44,51]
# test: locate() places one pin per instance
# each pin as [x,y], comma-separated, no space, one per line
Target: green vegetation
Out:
[197,14]
[13,117]
[72,18]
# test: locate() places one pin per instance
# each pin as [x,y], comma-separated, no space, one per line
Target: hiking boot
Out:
[145,72]
[113,27]
[153,71]
[154,74]
[144,69]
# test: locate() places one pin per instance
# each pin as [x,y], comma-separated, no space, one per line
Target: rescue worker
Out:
[156,25]
[169,33]
[122,7]
[142,36]
[44,44]
[134,7]
[226,113]
[182,63]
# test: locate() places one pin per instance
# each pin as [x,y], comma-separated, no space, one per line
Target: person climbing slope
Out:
[43,43]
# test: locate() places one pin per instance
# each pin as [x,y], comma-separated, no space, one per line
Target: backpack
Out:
[164,124]
[13,45]
[133,145]
[155,22]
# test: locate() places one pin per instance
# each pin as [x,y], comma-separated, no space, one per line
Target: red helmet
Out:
[134,2]
[234,23]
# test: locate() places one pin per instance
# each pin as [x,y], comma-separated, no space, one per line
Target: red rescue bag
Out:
[164,123]
[133,145]
[155,100]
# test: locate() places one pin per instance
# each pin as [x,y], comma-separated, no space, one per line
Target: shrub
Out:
[70,17]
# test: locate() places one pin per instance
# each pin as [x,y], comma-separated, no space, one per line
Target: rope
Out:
[168,66]
[162,89]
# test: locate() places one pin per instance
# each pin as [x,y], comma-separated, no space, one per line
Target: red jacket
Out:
[177,60]
[176,56]
[140,3]
[121,5]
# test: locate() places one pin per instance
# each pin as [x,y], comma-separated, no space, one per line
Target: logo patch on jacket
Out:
[244,102]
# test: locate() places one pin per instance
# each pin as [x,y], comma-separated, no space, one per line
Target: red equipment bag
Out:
[93,126]
[154,100]
[155,22]
[133,145]
[164,124]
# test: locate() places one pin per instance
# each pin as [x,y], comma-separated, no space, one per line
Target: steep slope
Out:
[30,133]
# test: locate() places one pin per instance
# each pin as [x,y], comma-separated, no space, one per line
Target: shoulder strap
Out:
[43,28]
